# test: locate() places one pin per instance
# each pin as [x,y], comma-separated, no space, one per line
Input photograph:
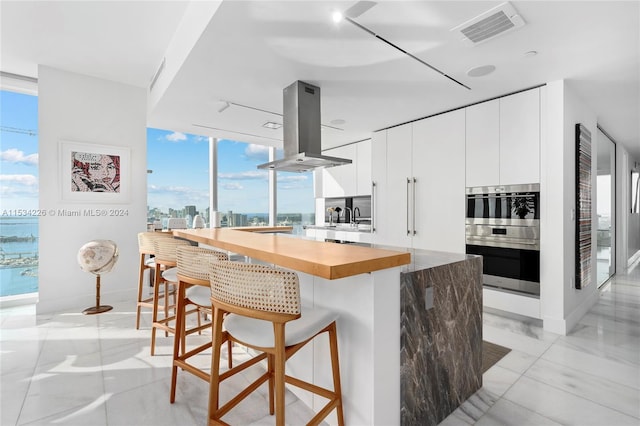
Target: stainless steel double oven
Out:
[503,225]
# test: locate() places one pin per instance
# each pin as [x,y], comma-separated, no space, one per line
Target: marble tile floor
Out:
[589,377]
[68,369]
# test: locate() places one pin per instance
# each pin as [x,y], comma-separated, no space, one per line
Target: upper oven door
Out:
[504,205]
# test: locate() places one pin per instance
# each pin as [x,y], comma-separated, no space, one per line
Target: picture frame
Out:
[583,275]
[92,173]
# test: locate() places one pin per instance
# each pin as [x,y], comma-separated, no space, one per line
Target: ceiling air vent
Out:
[499,20]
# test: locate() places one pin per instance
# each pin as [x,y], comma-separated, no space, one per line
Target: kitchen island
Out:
[388,331]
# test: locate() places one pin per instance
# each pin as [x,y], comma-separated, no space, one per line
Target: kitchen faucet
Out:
[356,210]
[350,215]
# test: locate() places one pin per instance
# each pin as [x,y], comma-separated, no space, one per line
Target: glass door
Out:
[605,208]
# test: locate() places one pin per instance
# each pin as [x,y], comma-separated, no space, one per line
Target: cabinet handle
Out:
[373,206]
[414,206]
[408,185]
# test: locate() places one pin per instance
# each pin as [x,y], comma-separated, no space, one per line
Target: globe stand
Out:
[98,309]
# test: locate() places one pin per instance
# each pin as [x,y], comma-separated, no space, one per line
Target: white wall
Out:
[78,108]
[562,305]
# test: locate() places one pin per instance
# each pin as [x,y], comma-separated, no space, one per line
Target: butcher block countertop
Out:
[322,259]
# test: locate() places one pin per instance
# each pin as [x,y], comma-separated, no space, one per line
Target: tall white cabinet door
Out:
[397,225]
[439,169]
[520,138]
[379,187]
[363,168]
[483,144]
[340,181]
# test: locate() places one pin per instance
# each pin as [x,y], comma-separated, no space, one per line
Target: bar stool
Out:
[166,273]
[193,288]
[260,301]
[147,262]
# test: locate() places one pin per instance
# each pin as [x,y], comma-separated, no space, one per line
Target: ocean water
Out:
[18,259]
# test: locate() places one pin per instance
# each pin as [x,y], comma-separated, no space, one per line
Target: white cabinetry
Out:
[520,138]
[483,144]
[395,228]
[419,201]
[439,173]
[351,179]
[503,140]
[379,187]
[363,168]
[340,181]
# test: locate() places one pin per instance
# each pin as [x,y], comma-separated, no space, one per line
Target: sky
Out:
[179,161]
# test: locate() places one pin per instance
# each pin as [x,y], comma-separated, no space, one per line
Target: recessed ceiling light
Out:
[272,125]
[337,16]
[530,53]
[337,122]
[481,71]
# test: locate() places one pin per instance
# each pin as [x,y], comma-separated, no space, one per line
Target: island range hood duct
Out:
[301,132]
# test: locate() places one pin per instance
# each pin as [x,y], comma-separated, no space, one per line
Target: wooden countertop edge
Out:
[383,259]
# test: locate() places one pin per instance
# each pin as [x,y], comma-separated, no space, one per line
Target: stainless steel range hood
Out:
[301,132]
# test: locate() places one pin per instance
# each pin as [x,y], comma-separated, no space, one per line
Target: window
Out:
[296,202]
[19,216]
[178,176]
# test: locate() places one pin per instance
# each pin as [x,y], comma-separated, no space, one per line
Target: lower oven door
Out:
[512,269]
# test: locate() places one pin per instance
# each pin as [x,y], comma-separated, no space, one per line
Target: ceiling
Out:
[250,50]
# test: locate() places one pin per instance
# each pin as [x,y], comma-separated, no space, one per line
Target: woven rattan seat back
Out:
[258,287]
[146,239]
[193,262]
[166,249]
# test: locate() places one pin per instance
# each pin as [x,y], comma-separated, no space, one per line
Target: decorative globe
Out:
[98,256]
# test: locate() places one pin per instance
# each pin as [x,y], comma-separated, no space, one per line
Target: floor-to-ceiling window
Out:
[19,210]
[243,190]
[605,207]
[178,183]
[178,176]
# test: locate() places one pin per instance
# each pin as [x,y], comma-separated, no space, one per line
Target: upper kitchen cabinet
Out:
[340,181]
[520,138]
[363,168]
[483,144]
[503,140]
[351,179]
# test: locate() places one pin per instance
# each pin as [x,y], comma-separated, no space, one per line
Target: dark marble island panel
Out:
[441,335]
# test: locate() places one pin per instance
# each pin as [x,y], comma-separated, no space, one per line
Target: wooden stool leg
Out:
[214,377]
[154,316]
[279,366]
[178,340]
[270,364]
[335,367]
[140,287]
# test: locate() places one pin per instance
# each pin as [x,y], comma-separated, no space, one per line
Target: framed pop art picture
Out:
[94,173]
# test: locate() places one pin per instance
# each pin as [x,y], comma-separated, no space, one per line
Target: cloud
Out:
[232,186]
[25,180]
[176,137]
[257,152]
[248,175]
[18,187]
[15,156]
[293,178]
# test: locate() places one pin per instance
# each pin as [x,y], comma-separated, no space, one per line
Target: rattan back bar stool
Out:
[166,274]
[193,288]
[262,304]
[147,262]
